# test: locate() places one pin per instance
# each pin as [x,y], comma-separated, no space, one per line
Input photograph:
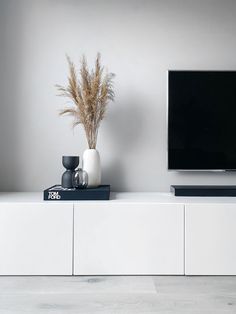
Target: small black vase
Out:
[70,163]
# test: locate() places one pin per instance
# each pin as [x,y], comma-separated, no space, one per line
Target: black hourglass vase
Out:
[70,163]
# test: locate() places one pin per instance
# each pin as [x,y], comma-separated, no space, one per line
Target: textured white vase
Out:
[92,165]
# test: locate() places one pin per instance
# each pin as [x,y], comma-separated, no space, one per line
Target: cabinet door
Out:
[210,239]
[128,238]
[36,239]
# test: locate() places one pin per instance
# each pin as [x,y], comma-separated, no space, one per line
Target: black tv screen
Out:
[202,120]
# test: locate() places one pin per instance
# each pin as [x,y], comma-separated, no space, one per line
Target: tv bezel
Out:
[167,122]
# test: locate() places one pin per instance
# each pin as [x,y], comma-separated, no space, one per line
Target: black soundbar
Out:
[204,190]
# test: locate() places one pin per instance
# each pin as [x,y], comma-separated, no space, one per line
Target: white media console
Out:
[132,234]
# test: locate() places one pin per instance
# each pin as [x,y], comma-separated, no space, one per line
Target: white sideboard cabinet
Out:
[132,234]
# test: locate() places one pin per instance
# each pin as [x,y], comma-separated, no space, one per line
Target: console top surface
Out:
[119,197]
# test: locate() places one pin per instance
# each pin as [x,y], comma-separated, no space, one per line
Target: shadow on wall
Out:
[125,128]
[10,69]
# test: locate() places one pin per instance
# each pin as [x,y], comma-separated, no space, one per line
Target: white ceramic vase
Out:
[92,165]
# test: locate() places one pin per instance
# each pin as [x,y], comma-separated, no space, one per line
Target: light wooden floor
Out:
[115,295]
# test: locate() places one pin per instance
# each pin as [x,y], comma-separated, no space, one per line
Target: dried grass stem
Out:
[90,94]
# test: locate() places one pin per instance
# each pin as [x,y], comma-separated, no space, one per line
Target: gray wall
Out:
[139,41]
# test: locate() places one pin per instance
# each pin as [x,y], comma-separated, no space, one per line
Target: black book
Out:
[58,193]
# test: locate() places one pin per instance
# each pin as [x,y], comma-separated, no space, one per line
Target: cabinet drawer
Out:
[36,239]
[210,239]
[128,238]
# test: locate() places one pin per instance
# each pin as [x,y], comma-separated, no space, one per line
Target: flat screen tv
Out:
[202,120]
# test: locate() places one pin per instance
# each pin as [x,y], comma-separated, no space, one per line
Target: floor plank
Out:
[195,284]
[77,284]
